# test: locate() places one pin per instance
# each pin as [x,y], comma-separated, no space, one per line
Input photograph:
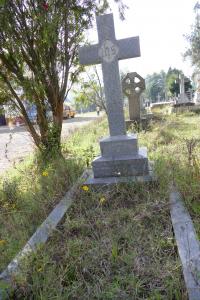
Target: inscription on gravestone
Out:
[108,51]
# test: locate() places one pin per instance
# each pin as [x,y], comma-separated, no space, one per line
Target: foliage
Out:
[173,82]
[23,208]
[155,85]
[165,84]
[194,43]
[39,56]
[90,91]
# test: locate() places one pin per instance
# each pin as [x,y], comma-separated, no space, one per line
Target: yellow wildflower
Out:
[85,188]
[2,242]
[39,270]
[102,200]
[45,173]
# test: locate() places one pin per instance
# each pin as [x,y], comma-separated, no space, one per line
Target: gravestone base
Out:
[121,161]
[125,165]
[106,181]
[143,121]
[183,98]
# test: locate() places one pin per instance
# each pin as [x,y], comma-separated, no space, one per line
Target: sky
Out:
[161,26]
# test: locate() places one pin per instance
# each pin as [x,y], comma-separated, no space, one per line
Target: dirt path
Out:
[17,143]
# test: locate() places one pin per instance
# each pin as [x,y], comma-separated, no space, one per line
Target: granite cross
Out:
[108,52]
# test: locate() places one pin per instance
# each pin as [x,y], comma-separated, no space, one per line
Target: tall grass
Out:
[112,244]
[30,191]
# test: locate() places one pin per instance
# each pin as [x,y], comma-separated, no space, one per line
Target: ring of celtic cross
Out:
[131,86]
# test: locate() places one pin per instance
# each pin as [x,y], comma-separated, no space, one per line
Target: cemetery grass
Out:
[112,244]
[174,145]
[118,243]
[29,191]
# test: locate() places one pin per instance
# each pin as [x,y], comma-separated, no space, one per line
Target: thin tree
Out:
[39,57]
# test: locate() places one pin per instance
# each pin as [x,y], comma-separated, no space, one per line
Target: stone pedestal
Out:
[120,156]
[143,122]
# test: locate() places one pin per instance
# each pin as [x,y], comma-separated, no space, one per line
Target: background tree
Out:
[90,91]
[165,84]
[155,85]
[173,82]
[39,57]
[194,40]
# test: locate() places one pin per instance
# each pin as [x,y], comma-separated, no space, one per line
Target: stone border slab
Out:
[43,232]
[187,243]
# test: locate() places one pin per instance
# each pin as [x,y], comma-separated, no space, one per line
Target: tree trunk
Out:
[57,121]
[51,132]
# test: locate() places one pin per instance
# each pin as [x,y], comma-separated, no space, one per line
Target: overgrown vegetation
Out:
[174,144]
[29,192]
[116,243]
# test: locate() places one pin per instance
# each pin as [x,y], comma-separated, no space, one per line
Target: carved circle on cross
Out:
[133,84]
[108,51]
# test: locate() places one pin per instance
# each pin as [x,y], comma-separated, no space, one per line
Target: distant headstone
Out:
[120,155]
[182,97]
[133,85]
[158,98]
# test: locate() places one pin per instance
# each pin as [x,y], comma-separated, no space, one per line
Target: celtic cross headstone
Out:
[133,85]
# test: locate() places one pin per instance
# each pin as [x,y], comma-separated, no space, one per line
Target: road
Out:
[17,143]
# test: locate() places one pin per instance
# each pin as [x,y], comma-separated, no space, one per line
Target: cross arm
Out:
[128,48]
[88,55]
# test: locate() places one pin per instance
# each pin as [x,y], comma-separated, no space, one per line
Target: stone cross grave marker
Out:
[120,156]
[133,85]
[107,53]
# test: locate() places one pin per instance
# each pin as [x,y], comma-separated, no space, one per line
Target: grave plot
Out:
[119,242]
[114,244]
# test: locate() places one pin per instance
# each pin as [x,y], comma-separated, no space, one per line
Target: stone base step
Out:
[119,166]
[106,181]
[119,145]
